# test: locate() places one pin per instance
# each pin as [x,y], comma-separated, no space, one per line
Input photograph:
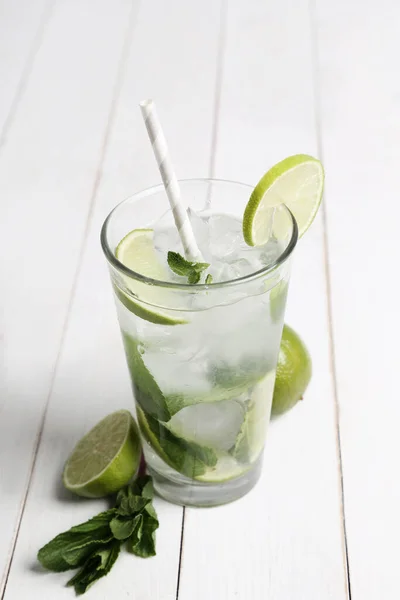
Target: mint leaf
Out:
[142,486]
[122,494]
[179,265]
[148,490]
[142,541]
[102,520]
[146,547]
[209,279]
[147,392]
[98,565]
[193,277]
[94,546]
[152,515]
[122,529]
[200,267]
[188,458]
[136,534]
[130,506]
[77,555]
[67,549]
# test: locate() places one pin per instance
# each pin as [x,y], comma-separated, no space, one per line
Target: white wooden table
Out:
[239,85]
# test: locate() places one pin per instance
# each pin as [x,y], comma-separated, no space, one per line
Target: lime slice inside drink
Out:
[136,251]
[251,438]
[297,182]
[186,457]
[197,462]
[162,404]
[106,458]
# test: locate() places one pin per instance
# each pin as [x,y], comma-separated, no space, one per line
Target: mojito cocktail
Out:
[201,356]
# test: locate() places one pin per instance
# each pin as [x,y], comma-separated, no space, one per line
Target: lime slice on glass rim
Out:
[297,182]
[105,459]
[136,251]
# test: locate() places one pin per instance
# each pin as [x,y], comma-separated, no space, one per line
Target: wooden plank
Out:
[47,170]
[285,539]
[91,378]
[360,90]
[22,25]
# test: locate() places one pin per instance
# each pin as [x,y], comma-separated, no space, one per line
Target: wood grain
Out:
[360,92]
[48,166]
[22,26]
[91,378]
[285,539]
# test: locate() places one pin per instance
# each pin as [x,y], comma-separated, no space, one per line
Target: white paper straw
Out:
[170,181]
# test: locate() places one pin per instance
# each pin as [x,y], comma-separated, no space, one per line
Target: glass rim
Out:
[112,259]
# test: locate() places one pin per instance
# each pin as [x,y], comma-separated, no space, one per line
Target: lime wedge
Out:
[105,459]
[297,182]
[136,251]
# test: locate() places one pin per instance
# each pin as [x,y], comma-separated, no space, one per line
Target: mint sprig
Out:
[192,270]
[94,546]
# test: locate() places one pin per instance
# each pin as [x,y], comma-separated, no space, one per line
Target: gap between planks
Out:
[121,69]
[37,41]
[211,174]
[318,129]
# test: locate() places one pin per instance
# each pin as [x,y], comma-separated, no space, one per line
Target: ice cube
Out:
[201,230]
[166,238]
[213,424]
[225,235]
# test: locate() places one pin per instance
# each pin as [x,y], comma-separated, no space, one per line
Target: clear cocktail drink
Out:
[201,357]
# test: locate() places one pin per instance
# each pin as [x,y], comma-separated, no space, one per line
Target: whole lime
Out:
[293,372]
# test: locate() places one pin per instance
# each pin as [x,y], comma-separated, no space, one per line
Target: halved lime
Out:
[136,251]
[297,182]
[106,458]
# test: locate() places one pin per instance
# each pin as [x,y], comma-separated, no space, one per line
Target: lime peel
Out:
[106,458]
[297,182]
[136,252]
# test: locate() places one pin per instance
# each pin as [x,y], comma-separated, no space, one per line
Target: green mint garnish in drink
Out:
[94,546]
[204,389]
[192,270]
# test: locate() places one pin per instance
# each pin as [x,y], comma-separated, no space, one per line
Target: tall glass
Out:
[202,358]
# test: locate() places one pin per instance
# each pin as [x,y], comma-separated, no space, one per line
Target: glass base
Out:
[206,494]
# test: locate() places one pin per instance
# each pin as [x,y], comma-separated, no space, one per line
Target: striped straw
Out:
[170,181]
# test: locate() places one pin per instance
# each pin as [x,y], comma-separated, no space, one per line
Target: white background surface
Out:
[239,84]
